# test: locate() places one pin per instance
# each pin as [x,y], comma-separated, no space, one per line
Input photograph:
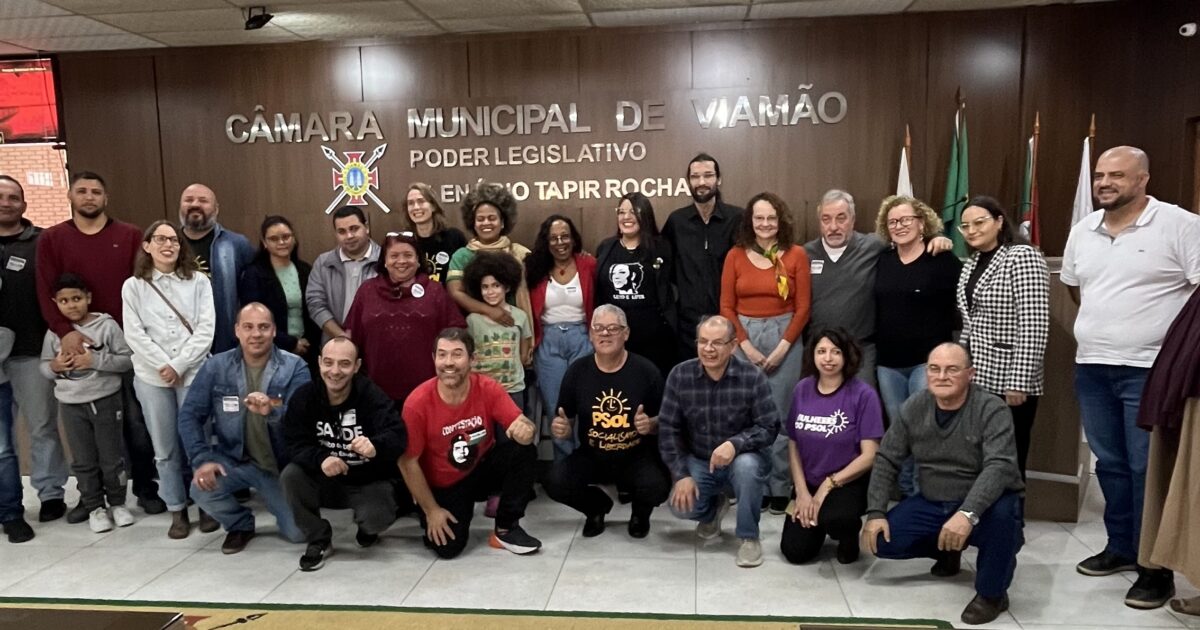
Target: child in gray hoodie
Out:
[88,389]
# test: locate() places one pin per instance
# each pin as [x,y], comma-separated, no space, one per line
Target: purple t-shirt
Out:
[827,429]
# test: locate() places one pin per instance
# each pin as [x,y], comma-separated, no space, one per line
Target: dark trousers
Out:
[374,503]
[94,434]
[1023,415]
[510,468]
[640,472]
[916,522]
[138,447]
[840,518]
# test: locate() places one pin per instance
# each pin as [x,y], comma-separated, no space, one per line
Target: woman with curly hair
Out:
[634,271]
[425,219]
[766,294]
[490,212]
[501,352]
[915,308]
[561,280]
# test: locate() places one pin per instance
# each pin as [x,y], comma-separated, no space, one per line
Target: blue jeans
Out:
[561,345]
[747,476]
[895,386]
[160,407]
[916,522]
[34,395]
[764,334]
[10,471]
[235,517]
[1108,402]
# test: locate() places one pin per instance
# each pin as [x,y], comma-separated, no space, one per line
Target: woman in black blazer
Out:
[1003,296]
[634,271]
[277,278]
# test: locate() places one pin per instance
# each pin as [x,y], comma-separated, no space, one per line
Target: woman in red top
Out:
[561,280]
[397,315]
[765,292]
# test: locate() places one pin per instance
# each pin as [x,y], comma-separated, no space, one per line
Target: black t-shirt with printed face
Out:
[604,404]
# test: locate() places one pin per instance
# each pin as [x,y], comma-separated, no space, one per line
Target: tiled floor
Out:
[669,572]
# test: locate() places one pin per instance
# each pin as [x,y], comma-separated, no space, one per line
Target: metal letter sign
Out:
[355,177]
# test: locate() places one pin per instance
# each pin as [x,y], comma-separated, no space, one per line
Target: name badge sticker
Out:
[230,404]
[816,266]
[418,291]
[442,258]
[15,263]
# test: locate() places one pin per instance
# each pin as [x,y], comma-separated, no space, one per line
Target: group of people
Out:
[714,363]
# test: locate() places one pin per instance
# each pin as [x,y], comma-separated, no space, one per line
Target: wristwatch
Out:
[971,516]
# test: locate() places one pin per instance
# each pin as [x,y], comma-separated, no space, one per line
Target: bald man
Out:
[1130,269]
[243,393]
[222,254]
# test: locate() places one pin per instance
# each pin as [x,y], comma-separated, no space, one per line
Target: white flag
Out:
[904,181]
[1083,190]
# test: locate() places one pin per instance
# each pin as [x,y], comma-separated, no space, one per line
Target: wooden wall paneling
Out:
[531,68]
[628,62]
[884,84]
[751,57]
[414,73]
[123,148]
[252,180]
[983,58]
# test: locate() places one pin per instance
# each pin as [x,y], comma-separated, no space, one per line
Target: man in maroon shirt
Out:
[101,250]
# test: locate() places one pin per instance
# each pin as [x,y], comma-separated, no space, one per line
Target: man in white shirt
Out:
[1130,268]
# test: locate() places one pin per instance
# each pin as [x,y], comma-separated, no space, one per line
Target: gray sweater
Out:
[973,459]
[111,357]
[843,292]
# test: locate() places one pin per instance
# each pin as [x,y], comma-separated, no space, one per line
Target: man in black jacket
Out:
[344,436]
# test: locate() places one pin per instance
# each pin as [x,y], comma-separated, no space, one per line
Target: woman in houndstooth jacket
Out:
[1004,298]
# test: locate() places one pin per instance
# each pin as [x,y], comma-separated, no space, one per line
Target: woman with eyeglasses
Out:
[426,220]
[766,294]
[397,315]
[561,278]
[1003,295]
[914,304]
[169,324]
[634,271]
[277,279]
[834,425]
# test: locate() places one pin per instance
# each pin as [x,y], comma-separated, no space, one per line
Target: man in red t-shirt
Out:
[453,459]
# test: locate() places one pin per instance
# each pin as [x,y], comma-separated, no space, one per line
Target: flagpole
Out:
[908,152]
[1034,231]
[1092,135]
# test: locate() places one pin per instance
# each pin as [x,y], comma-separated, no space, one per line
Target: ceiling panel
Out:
[94,7]
[517,10]
[269,34]
[228,18]
[28,8]
[311,16]
[825,8]
[644,17]
[515,23]
[120,41]
[625,5]
[66,26]
[970,5]
[351,28]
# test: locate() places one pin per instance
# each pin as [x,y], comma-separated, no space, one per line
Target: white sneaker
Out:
[100,521]
[750,553]
[712,529]
[121,516]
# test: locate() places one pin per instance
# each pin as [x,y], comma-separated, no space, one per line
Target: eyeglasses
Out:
[405,234]
[902,221]
[280,239]
[977,224]
[159,239]
[717,344]
[611,329]
[554,240]
[949,370]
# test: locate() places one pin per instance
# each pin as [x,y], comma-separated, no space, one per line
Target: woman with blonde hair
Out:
[425,218]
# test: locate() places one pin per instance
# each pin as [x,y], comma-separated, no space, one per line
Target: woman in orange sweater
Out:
[765,292]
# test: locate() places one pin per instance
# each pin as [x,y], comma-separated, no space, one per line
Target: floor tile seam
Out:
[159,574]
[43,569]
[571,545]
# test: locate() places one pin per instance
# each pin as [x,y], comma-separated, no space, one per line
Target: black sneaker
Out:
[242,495]
[1152,589]
[236,541]
[364,540]
[847,550]
[18,531]
[778,505]
[1105,563]
[593,526]
[515,540]
[639,526]
[52,510]
[314,555]
[78,514]
[152,504]
[983,610]
[948,564]
[624,496]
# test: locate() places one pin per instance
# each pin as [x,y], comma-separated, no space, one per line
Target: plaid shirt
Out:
[698,413]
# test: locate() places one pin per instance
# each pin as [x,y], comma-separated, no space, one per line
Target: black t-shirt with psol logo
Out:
[604,404]
[437,250]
